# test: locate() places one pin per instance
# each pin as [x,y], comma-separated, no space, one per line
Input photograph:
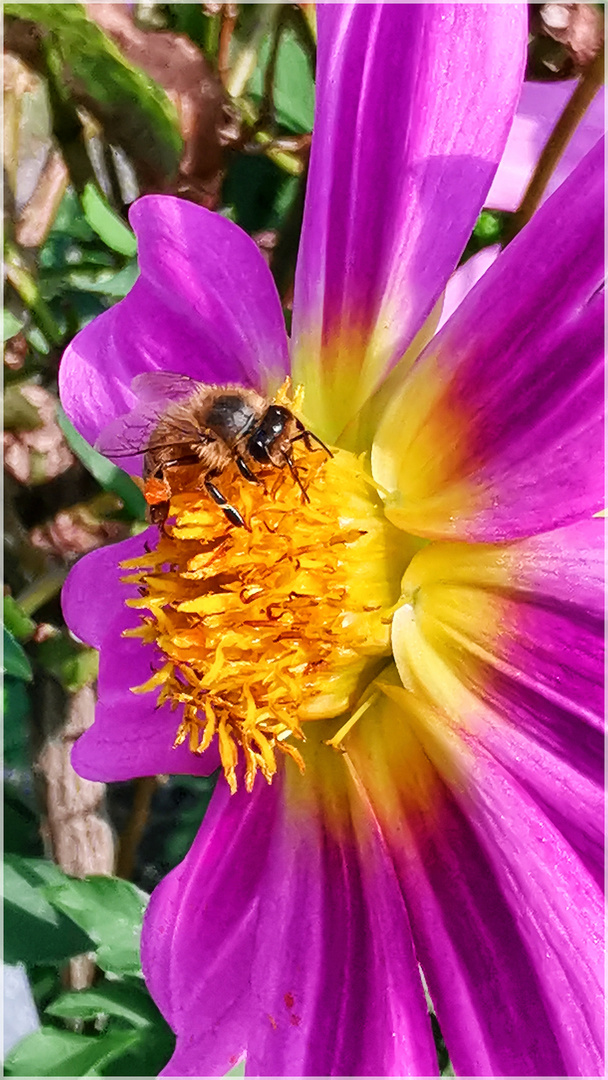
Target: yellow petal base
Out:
[263,628]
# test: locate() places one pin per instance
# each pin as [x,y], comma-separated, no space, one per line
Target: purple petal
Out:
[522,627]
[130,736]
[199,931]
[285,931]
[205,305]
[506,920]
[463,279]
[333,963]
[539,108]
[93,595]
[497,430]
[414,103]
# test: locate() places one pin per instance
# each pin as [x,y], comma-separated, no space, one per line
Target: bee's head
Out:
[268,435]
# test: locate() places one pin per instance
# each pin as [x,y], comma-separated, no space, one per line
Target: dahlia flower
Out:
[398,675]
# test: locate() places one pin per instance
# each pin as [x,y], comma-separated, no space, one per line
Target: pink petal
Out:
[506,919]
[497,430]
[540,106]
[284,931]
[131,736]
[414,103]
[340,978]
[199,932]
[205,305]
[522,627]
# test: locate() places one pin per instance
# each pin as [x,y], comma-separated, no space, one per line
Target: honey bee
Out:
[180,424]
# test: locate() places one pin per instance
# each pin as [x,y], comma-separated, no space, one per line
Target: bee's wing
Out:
[163,386]
[131,433]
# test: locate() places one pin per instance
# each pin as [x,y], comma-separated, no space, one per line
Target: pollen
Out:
[262,629]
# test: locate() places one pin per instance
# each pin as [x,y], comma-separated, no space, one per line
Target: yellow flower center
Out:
[261,629]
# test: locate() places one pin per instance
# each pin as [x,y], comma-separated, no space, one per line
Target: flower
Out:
[459,832]
[540,107]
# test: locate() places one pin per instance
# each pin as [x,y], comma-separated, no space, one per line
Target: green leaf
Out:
[148,1053]
[16,700]
[106,223]
[34,931]
[111,911]
[51,1052]
[69,222]
[14,661]
[12,325]
[16,621]
[294,88]
[108,283]
[108,476]
[73,665]
[90,69]
[19,413]
[21,825]
[125,1001]
[239,1070]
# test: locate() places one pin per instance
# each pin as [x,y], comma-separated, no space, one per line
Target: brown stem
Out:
[138,819]
[584,93]
[229,17]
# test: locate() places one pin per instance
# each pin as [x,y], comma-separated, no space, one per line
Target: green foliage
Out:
[108,476]
[294,87]
[14,660]
[102,219]
[16,711]
[110,911]
[51,1052]
[80,54]
[113,1028]
[12,325]
[21,829]
[36,931]
[73,665]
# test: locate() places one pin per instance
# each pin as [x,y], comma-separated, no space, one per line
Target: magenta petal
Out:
[130,736]
[414,103]
[496,432]
[507,927]
[93,595]
[199,931]
[281,937]
[205,305]
[539,108]
[334,975]
[507,921]
[522,629]
[463,279]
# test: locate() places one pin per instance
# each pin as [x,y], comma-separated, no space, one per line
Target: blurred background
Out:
[103,103]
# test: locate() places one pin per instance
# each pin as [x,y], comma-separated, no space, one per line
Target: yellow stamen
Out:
[260,630]
[337,739]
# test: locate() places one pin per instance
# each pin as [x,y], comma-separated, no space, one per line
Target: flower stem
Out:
[138,819]
[584,93]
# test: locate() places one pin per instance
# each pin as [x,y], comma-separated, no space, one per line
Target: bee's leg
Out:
[246,471]
[306,435]
[158,514]
[294,473]
[230,511]
[187,459]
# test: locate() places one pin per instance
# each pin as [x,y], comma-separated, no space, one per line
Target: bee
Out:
[179,424]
